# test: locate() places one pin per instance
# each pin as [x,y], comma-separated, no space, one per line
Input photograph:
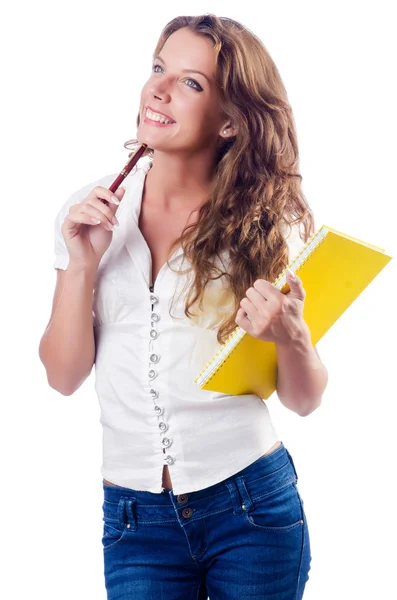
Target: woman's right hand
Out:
[87,229]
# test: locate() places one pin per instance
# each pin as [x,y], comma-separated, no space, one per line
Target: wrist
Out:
[300,339]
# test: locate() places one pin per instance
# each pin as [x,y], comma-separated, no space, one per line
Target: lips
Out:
[159,112]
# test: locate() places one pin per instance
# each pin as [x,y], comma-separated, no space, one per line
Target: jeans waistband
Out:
[251,483]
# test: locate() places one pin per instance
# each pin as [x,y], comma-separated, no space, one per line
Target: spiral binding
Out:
[238,334]
[217,360]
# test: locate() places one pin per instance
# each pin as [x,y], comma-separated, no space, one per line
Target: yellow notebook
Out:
[334,268]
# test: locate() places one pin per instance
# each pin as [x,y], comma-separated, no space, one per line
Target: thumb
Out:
[295,284]
[119,193]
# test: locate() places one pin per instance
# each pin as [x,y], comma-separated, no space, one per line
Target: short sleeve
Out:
[60,249]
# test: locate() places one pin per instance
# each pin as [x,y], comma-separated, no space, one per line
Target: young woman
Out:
[200,495]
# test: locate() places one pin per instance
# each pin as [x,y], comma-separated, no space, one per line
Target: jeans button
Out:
[182,498]
[187,512]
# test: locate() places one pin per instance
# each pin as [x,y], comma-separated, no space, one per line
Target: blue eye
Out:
[195,86]
[190,82]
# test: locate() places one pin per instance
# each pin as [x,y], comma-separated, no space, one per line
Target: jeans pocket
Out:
[113,530]
[280,511]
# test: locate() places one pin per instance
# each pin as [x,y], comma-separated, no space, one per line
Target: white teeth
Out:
[156,117]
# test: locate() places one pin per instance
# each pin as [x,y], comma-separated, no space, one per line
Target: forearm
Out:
[67,348]
[302,377]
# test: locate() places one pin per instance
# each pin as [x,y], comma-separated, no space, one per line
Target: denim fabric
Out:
[245,538]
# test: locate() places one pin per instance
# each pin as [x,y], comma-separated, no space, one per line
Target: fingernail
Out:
[115,200]
[291,272]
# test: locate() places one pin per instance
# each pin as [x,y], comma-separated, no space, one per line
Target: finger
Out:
[249,308]
[99,217]
[243,321]
[74,219]
[108,197]
[265,288]
[106,210]
[83,213]
[258,299]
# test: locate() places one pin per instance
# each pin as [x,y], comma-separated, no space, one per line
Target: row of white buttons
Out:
[154,359]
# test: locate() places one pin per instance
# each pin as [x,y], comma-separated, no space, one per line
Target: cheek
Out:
[197,118]
[145,94]
[208,118]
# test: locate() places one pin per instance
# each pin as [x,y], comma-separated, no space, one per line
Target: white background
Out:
[71,78]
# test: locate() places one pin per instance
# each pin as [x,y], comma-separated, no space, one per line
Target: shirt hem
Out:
[200,484]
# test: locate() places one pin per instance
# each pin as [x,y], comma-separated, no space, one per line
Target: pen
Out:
[130,164]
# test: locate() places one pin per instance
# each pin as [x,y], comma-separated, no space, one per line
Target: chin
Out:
[148,137]
[152,141]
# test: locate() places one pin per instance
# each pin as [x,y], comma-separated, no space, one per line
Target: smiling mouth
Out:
[153,116]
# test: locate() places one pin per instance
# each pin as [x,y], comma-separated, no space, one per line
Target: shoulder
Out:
[292,234]
[294,238]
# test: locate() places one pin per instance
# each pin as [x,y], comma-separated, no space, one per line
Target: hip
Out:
[254,518]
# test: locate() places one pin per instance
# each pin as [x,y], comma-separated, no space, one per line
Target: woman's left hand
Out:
[269,315]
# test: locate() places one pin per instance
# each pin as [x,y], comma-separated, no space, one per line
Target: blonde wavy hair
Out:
[256,185]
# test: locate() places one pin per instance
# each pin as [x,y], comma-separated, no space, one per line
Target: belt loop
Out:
[244,493]
[131,519]
[239,494]
[292,463]
[231,486]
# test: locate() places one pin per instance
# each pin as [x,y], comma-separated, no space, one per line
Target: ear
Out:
[228,130]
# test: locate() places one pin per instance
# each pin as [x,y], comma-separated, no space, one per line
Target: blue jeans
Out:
[243,538]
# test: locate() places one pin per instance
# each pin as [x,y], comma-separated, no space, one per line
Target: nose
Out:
[160,90]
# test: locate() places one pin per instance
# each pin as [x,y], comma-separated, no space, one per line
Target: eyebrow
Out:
[184,70]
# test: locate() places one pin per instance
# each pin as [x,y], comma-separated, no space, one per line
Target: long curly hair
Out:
[256,189]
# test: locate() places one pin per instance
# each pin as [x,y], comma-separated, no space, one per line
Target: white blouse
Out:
[147,357]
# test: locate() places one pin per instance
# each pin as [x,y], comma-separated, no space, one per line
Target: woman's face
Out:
[181,91]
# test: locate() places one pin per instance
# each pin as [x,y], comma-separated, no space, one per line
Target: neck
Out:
[176,182]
